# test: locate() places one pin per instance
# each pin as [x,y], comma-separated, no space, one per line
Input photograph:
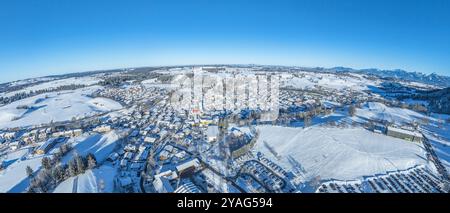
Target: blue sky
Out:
[47,37]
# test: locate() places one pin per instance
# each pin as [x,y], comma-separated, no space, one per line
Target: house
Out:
[162,185]
[125,182]
[180,155]
[211,133]
[150,139]
[206,121]
[49,144]
[187,187]
[169,148]
[134,133]
[128,155]
[187,168]
[163,134]
[164,155]
[113,156]
[169,174]
[124,163]
[130,148]
[102,129]
[8,135]
[77,132]
[14,145]
[135,166]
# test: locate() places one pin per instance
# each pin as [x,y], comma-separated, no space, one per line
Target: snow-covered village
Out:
[226,129]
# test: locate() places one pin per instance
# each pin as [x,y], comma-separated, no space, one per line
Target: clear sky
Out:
[47,37]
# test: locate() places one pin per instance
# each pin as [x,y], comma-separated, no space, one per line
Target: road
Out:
[75,185]
[435,159]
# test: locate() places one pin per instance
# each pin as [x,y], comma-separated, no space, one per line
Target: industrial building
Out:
[404,134]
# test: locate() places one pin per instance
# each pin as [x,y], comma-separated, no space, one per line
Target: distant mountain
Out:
[434,79]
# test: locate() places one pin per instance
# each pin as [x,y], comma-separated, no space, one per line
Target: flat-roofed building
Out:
[404,134]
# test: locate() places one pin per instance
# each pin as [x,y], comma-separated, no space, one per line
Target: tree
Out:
[65,148]
[57,156]
[91,161]
[58,174]
[29,171]
[101,185]
[31,190]
[34,184]
[62,149]
[352,110]
[81,166]
[307,121]
[47,163]
[41,181]
[73,167]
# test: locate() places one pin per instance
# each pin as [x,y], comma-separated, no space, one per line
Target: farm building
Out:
[404,134]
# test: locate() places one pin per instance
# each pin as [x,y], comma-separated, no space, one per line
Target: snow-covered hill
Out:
[338,153]
[92,181]
[56,106]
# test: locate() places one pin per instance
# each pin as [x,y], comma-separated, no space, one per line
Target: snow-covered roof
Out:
[212,131]
[404,131]
[162,184]
[188,187]
[192,163]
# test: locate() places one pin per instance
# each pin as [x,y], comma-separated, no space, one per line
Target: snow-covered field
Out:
[56,106]
[30,81]
[439,135]
[379,111]
[310,80]
[14,178]
[88,80]
[338,153]
[99,145]
[96,180]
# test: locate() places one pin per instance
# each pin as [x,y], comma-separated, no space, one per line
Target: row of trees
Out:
[79,164]
[137,75]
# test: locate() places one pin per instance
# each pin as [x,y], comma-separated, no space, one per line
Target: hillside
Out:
[439,100]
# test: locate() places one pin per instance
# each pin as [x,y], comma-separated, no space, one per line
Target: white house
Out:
[211,133]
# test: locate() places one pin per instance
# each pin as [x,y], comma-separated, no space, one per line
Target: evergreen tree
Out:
[91,161]
[34,184]
[81,166]
[352,110]
[46,163]
[72,167]
[58,174]
[29,171]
